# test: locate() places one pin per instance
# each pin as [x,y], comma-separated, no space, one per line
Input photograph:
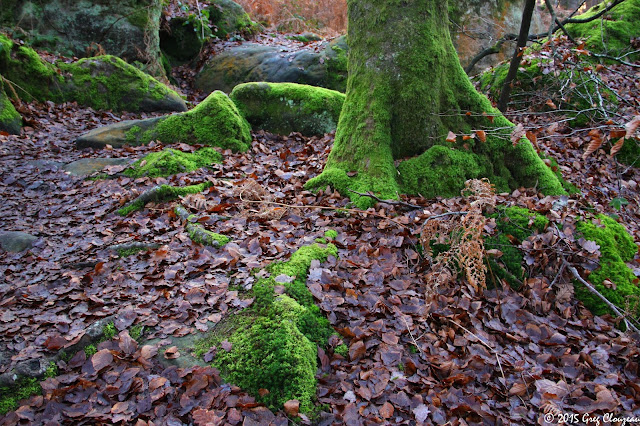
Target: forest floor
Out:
[497,357]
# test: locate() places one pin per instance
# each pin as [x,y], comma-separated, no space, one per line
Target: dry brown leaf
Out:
[517,133]
[482,135]
[632,126]
[451,137]
[386,411]
[617,147]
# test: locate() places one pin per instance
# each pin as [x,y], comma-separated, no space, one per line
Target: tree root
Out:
[197,233]
[161,193]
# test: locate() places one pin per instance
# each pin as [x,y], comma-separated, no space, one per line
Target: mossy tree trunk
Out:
[406,91]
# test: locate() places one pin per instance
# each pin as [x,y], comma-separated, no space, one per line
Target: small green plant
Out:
[618,202]
[136,332]
[90,350]
[109,331]
[22,389]
[342,350]
[51,371]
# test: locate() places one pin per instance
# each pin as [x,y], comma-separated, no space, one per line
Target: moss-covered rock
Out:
[180,41]
[611,33]
[273,344]
[171,161]
[283,108]
[104,82]
[616,248]
[10,119]
[228,17]
[214,122]
[127,28]
[107,82]
[251,62]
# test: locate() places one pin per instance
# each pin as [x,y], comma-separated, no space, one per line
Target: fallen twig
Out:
[593,290]
[390,202]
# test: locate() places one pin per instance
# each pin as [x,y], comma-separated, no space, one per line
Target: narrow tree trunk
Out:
[505,93]
[406,91]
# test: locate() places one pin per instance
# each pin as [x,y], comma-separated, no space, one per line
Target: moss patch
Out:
[10,119]
[160,194]
[273,345]
[215,122]
[170,162]
[616,248]
[512,223]
[611,33]
[283,108]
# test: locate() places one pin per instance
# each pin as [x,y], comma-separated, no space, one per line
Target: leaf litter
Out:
[461,356]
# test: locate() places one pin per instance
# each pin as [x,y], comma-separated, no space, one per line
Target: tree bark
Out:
[505,93]
[406,91]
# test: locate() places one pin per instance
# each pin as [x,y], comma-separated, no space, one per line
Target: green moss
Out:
[512,223]
[201,236]
[272,354]
[612,32]
[136,332]
[289,107]
[10,396]
[336,64]
[33,78]
[170,162]
[297,266]
[131,135]
[273,345]
[575,92]
[214,122]
[109,331]
[630,153]
[90,350]
[393,112]
[616,248]
[10,119]
[163,193]
[130,251]
[342,350]
[107,82]
[331,234]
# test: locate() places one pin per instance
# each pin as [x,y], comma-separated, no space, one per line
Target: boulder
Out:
[103,82]
[117,134]
[228,17]
[87,166]
[16,241]
[256,62]
[10,120]
[126,28]
[216,121]
[283,108]
[183,37]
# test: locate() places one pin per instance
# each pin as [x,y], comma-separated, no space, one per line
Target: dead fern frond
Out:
[256,202]
[464,238]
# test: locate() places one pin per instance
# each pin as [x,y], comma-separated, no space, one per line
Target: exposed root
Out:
[197,233]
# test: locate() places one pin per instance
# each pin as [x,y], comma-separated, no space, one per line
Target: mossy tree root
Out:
[161,193]
[197,233]
[391,112]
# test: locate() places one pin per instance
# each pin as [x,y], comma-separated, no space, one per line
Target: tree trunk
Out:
[406,91]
